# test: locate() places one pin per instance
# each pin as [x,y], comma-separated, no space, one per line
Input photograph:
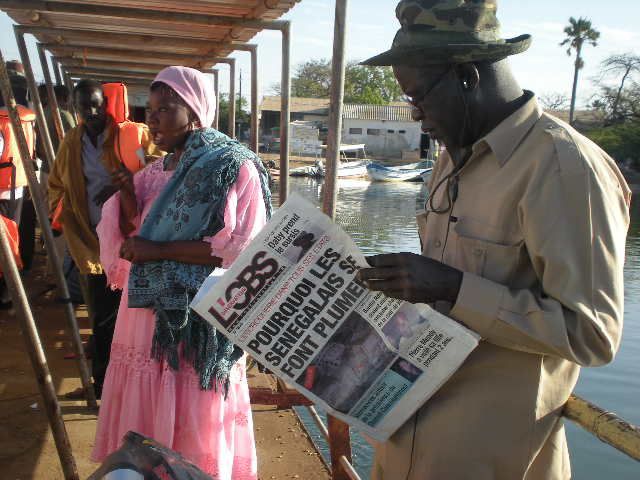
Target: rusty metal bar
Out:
[232,98]
[52,100]
[253,141]
[139,54]
[606,426]
[216,89]
[37,357]
[339,439]
[88,71]
[348,468]
[35,98]
[21,303]
[73,62]
[335,111]
[56,70]
[70,85]
[285,112]
[339,446]
[139,14]
[40,204]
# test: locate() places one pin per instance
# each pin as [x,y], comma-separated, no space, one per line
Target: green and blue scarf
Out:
[190,207]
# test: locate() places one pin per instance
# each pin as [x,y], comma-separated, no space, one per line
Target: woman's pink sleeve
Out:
[111,238]
[244,216]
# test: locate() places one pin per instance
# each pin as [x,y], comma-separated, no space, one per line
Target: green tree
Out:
[625,68]
[578,32]
[242,112]
[369,85]
[621,141]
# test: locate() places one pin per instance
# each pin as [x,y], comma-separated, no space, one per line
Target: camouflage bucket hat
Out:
[448,31]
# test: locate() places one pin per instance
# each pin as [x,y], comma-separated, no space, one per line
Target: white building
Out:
[386,130]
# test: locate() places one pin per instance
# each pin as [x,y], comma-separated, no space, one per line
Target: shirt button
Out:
[438,243]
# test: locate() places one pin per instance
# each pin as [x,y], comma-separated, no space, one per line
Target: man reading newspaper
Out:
[524,242]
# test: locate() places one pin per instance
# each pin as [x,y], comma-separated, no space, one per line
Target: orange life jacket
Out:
[128,135]
[117,101]
[11,168]
[11,228]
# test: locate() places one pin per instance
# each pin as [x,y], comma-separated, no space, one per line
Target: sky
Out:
[371,25]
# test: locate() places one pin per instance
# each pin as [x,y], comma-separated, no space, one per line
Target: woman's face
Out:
[168,119]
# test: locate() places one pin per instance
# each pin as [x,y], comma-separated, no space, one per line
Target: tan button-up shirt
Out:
[538,225]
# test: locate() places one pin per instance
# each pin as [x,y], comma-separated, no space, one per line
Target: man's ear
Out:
[468,76]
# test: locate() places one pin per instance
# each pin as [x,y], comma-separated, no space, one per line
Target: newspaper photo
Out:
[291,301]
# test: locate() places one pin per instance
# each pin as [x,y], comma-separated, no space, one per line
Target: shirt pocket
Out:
[495,260]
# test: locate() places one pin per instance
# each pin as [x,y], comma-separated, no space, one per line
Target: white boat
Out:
[403,173]
[348,168]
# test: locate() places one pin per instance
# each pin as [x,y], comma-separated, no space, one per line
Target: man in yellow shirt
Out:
[523,242]
[81,179]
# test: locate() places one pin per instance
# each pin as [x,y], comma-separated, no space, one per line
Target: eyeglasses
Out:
[415,101]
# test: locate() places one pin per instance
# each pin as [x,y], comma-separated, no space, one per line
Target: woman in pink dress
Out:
[172,377]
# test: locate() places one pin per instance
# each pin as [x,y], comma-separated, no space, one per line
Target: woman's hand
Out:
[139,250]
[122,179]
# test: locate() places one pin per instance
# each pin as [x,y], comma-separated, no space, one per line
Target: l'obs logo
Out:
[246,287]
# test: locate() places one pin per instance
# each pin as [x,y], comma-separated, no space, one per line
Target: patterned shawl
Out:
[191,207]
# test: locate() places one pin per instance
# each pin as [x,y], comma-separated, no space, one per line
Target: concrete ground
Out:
[27,450]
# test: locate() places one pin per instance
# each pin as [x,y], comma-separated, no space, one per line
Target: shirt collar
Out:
[505,138]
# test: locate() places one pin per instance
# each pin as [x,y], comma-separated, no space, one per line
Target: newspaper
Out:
[291,301]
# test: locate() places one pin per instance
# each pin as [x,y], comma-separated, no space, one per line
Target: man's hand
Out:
[411,277]
[139,250]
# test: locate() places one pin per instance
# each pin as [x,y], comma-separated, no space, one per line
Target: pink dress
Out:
[147,396]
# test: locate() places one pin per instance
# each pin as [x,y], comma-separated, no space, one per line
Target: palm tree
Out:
[578,32]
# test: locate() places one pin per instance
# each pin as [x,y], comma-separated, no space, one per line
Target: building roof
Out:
[394,112]
[310,106]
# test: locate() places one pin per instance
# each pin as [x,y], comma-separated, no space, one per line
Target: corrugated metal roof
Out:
[394,113]
[105,30]
[318,106]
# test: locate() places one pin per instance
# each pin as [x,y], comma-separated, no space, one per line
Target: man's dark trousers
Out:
[102,304]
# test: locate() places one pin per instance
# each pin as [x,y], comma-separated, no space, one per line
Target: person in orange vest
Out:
[12,176]
[81,180]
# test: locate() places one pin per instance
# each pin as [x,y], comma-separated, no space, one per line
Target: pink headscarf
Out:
[194,88]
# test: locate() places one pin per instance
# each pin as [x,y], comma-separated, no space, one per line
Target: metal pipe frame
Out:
[69,84]
[42,213]
[255,125]
[232,92]
[35,98]
[40,204]
[110,72]
[285,111]
[56,70]
[53,101]
[139,14]
[36,353]
[339,438]
[216,91]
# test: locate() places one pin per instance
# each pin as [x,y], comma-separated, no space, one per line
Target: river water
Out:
[380,218]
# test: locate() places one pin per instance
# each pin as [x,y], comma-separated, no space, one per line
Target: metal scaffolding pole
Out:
[216,90]
[21,303]
[285,108]
[35,97]
[232,98]
[40,204]
[69,84]
[335,110]
[53,101]
[56,70]
[339,439]
[253,142]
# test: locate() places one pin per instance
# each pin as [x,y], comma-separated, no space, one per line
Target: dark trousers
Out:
[102,304]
